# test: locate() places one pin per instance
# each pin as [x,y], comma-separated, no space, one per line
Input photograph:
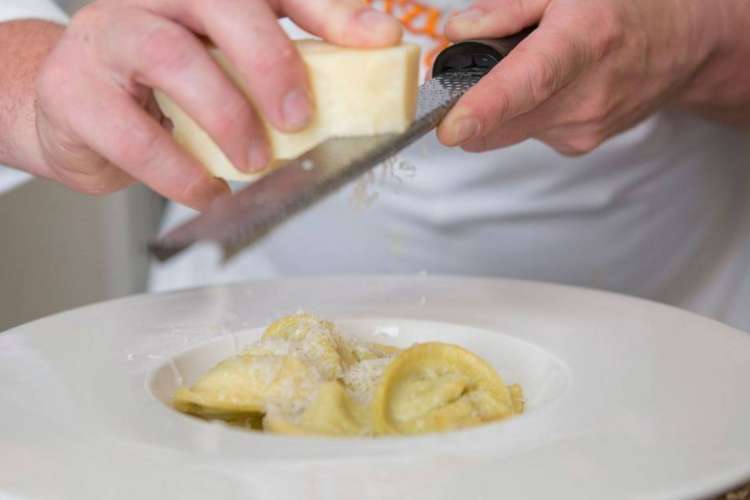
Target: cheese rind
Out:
[355,91]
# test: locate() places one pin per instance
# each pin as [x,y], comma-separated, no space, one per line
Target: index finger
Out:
[137,144]
[264,57]
[542,65]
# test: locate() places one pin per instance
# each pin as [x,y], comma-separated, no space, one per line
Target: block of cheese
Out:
[356,92]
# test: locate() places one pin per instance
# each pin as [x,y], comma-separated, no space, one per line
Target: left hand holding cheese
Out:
[97,125]
[593,69]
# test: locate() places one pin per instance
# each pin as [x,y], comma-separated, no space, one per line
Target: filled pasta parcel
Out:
[304,377]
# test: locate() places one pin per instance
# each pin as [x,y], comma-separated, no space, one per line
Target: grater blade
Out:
[237,221]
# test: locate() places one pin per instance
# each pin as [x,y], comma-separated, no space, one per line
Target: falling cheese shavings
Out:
[389,174]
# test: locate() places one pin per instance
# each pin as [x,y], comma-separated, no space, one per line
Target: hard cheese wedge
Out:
[356,92]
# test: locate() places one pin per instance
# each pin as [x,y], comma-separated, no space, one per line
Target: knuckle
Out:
[595,109]
[545,78]
[95,179]
[499,113]
[581,144]
[89,25]
[287,54]
[166,48]
[561,148]
[139,146]
[607,31]
[95,188]
[283,59]
[600,113]
[223,124]
[265,63]
[503,109]
[346,27]
[193,187]
[230,117]
[89,15]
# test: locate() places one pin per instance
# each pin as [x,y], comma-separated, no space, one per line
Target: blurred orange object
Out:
[419,19]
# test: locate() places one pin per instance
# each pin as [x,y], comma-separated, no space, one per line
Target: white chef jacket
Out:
[22,9]
[662,212]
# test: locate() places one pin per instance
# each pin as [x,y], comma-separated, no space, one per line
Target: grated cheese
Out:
[304,376]
[391,172]
[362,378]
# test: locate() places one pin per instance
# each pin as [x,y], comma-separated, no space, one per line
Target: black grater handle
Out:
[479,55]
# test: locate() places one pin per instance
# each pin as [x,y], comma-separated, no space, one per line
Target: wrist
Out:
[24,45]
[719,86]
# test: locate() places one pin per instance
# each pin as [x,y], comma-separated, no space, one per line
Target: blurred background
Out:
[61,248]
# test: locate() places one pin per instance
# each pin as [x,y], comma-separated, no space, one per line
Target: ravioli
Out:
[246,385]
[437,387]
[315,341]
[303,377]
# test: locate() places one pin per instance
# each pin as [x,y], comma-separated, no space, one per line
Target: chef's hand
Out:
[592,69]
[98,127]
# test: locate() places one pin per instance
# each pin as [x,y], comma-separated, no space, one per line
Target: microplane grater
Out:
[239,220]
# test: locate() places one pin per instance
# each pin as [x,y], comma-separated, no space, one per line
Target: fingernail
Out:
[221,187]
[464,129]
[208,191]
[167,123]
[259,156]
[296,109]
[371,18]
[470,15]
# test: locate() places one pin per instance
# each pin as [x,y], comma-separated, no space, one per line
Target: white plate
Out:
[627,399]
